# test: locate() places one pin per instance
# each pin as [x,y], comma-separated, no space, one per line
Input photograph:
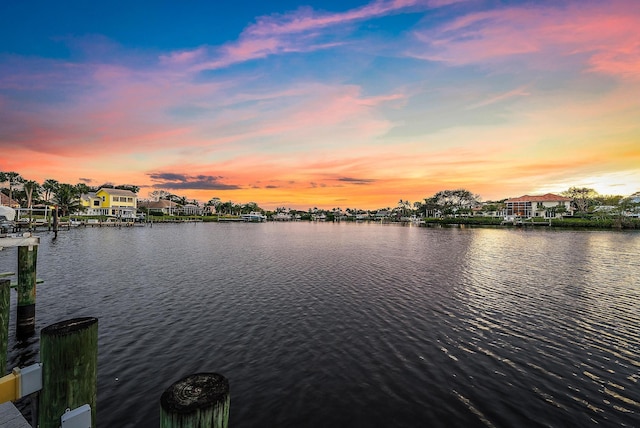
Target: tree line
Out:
[28,193]
[445,202]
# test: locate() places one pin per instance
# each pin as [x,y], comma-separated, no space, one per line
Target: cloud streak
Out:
[603,36]
[176,181]
[304,30]
[391,99]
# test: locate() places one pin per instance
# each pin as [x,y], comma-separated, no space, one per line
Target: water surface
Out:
[344,325]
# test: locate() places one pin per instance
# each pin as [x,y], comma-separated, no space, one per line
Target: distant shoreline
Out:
[565,223]
[558,223]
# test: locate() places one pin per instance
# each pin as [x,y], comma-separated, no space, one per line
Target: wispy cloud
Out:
[175,181]
[305,19]
[518,92]
[602,35]
[183,57]
[303,30]
[360,181]
[508,97]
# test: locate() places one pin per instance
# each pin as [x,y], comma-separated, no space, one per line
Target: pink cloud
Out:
[298,31]
[305,19]
[623,61]
[603,33]
[183,57]
[128,111]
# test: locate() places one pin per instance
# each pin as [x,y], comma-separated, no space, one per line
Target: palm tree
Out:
[49,186]
[226,207]
[32,189]
[417,205]
[82,189]
[130,187]
[407,205]
[67,199]
[12,178]
[560,209]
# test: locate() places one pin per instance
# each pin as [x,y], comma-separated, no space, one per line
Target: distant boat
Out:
[254,217]
[7,217]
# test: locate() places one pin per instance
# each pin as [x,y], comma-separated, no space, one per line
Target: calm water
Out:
[355,325]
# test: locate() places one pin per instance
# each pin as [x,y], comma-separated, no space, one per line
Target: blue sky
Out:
[323,103]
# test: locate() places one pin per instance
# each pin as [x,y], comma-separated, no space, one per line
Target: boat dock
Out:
[10,417]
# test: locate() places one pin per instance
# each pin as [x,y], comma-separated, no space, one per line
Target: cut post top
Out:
[63,328]
[19,241]
[194,392]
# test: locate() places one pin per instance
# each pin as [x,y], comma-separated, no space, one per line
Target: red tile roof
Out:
[4,200]
[549,197]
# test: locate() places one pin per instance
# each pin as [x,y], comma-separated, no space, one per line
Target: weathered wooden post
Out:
[55,222]
[5,303]
[200,400]
[26,311]
[69,356]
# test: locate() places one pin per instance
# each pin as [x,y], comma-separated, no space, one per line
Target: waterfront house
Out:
[190,209]
[110,202]
[547,206]
[4,200]
[382,214]
[90,203]
[209,210]
[162,206]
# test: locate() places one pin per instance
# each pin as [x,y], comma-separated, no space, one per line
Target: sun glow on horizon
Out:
[308,106]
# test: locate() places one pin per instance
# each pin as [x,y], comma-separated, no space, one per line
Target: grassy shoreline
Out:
[599,223]
[570,223]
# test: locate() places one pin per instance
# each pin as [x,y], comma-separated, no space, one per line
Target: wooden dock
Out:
[10,417]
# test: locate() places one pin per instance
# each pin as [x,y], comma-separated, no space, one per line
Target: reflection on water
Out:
[356,324]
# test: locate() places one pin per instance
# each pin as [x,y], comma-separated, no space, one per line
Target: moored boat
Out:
[254,217]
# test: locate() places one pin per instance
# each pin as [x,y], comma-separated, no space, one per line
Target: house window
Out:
[103,199]
[96,203]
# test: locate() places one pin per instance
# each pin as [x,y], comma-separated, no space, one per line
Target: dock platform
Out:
[10,417]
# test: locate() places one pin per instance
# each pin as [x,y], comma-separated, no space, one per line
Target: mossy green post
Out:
[26,311]
[69,356]
[5,303]
[55,222]
[200,400]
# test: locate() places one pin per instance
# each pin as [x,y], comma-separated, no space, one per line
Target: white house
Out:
[548,205]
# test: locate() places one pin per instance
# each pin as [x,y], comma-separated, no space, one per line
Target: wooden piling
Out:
[200,400]
[5,303]
[55,222]
[26,310]
[69,356]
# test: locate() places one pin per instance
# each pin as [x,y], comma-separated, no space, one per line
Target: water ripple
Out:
[349,325]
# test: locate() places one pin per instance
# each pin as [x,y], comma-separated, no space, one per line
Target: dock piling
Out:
[26,310]
[5,302]
[69,356]
[200,400]
[55,222]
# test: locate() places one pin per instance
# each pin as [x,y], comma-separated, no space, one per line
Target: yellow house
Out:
[110,202]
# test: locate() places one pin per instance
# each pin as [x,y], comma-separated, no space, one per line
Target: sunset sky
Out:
[323,103]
